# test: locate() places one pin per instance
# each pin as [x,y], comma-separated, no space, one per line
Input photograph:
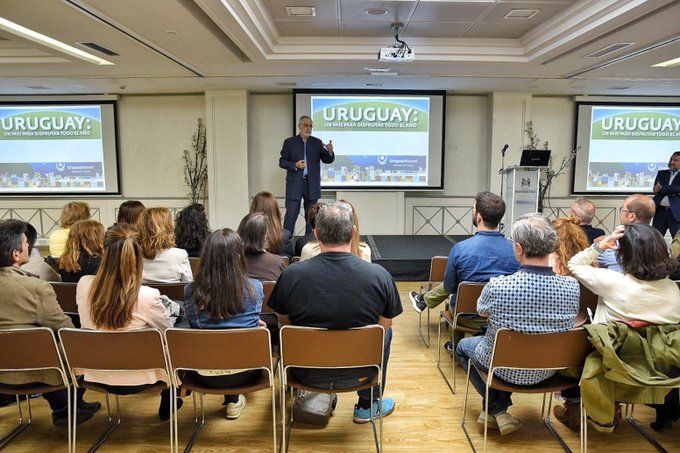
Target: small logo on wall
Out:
[526,182]
[382,160]
[651,166]
[61,166]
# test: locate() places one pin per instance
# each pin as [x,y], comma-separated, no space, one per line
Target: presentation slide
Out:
[57,148]
[379,140]
[624,146]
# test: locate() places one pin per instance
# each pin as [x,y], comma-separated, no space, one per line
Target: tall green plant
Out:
[196,165]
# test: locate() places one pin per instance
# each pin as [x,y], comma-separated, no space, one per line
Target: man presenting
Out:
[301,156]
[667,197]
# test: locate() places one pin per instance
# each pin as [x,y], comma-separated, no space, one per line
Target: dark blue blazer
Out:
[293,151]
[670,190]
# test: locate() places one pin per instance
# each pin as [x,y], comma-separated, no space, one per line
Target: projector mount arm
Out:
[400,44]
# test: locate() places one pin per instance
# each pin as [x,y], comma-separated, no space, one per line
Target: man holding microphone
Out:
[301,156]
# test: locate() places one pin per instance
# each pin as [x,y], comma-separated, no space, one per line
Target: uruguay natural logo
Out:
[371,115]
[638,125]
[49,125]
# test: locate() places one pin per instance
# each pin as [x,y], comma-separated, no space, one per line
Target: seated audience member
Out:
[278,239]
[72,213]
[83,252]
[641,291]
[129,211]
[26,301]
[36,264]
[260,264]
[163,262]
[584,210]
[337,290]
[571,239]
[359,249]
[532,300]
[301,242]
[486,254]
[635,209]
[116,300]
[223,297]
[191,229]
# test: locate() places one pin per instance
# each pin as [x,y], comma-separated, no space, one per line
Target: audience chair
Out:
[33,349]
[174,291]
[630,417]
[308,347]
[551,351]
[437,270]
[94,350]
[267,314]
[194,262]
[239,349]
[466,303]
[587,300]
[66,297]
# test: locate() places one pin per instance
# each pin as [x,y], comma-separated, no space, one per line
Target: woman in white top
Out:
[163,262]
[115,300]
[643,292]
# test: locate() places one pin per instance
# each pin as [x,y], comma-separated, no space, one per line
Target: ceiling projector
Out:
[399,52]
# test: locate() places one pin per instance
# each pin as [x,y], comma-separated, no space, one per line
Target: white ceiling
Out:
[179,46]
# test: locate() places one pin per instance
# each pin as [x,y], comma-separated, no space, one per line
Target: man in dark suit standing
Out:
[667,197]
[301,156]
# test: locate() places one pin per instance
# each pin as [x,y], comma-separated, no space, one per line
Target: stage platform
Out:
[407,258]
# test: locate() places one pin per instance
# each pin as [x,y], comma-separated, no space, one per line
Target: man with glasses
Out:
[635,209]
[667,197]
[301,156]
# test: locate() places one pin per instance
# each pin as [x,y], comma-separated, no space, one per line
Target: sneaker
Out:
[363,415]
[85,412]
[507,423]
[448,347]
[568,415]
[491,423]
[234,409]
[417,301]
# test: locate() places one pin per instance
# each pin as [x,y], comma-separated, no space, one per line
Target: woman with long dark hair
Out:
[223,297]
[129,211]
[191,229]
[115,299]
[278,239]
[260,264]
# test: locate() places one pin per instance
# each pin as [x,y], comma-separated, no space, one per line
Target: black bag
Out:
[313,408]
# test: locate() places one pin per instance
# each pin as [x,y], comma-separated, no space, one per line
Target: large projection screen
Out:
[623,146]
[58,148]
[390,140]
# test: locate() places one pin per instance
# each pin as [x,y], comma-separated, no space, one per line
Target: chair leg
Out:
[174,422]
[452,387]
[545,416]
[69,409]
[426,342]
[465,400]
[23,423]
[486,413]
[274,416]
[284,446]
[638,427]
[110,428]
[198,423]
[584,428]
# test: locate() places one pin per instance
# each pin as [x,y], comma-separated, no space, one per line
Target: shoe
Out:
[363,415]
[491,423]
[234,409]
[507,423]
[569,415]
[85,412]
[6,400]
[448,347]
[164,408]
[417,301]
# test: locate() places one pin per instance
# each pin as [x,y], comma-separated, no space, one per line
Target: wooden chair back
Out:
[438,268]
[34,348]
[466,297]
[268,287]
[66,296]
[194,262]
[174,291]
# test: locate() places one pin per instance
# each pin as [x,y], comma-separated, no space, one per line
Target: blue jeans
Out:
[499,401]
[347,377]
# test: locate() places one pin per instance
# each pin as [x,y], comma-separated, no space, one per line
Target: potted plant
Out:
[196,166]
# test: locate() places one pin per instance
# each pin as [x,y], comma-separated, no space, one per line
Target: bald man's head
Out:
[584,209]
[637,209]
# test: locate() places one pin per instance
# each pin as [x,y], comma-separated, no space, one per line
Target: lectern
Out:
[520,192]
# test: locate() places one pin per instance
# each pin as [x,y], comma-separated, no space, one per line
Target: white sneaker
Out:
[234,409]
[491,423]
[507,423]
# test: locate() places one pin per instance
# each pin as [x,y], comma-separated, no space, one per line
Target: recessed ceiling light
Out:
[668,64]
[305,11]
[376,11]
[34,36]
[521,13]
[383,74]
[374,84]
[377,69]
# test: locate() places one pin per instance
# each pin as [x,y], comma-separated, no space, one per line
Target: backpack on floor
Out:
[313,408]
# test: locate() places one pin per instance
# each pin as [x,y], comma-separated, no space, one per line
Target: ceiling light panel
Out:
[668,64]
[39,38]
[301,11]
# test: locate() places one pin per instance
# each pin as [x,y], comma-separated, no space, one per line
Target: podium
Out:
[520,192]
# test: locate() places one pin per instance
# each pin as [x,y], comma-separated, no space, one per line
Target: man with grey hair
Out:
[584,210]
[532,300]
[337,290]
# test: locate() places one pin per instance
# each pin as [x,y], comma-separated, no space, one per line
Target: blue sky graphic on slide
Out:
[90,112]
